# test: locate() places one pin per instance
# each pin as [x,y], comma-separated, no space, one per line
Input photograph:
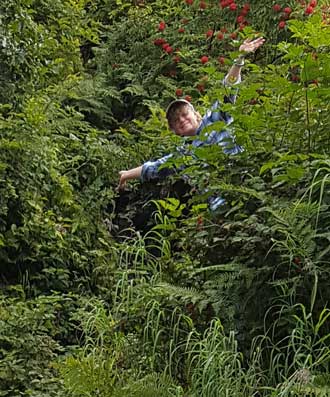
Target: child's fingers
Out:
[122,181]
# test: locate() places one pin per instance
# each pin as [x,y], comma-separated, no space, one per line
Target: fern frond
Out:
[135,89]
[228,267]
[185,293]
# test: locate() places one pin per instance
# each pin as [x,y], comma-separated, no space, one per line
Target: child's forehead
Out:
[180,109]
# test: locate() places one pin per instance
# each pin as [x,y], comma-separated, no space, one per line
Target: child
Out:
[183,120]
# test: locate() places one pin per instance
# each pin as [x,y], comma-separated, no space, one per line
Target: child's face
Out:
[185,121]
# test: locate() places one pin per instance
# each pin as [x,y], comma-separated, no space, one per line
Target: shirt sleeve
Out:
[224,138]
[150,169]
[214,114]
[227,83]
[231,96]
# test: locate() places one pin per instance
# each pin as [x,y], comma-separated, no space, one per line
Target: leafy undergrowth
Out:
[146,292]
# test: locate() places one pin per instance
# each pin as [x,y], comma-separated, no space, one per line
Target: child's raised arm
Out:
[248,46]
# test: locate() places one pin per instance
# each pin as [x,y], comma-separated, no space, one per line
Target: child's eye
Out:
[181,114]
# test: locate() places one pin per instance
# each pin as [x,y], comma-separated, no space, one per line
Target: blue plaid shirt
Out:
[150,169]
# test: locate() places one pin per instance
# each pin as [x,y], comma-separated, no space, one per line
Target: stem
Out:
[307,112]
[308,120]
[287,122]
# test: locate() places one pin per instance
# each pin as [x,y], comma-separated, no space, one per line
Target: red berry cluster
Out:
[167,48]
[161,42]
[228,3]
[161,26]
[179,93]
[286,14]
[221,35]
[239,13]
[241,18]
[204,59]
[199,223]
[209,33]
[200,87]
[277,7]
[222,60]
[310,8]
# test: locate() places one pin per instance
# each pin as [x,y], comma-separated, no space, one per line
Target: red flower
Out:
[189,2]
[276,7]
[202,5]
[281,25]
[240,19]
[220,36]
[233,35]
[222,60]
[188,98]
[209,33]
[309,10]
[161,26]
[246,7]
[178,92]
[159,42]
[181,30]
[176,59]
[164,46]
[313,3]
[287,10]
[169,49]
[200,222]
[204,59]
[201,87]
[233,6]
[224,30]
[244,12]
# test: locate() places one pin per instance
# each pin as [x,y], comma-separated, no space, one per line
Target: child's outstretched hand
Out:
[250,45]
[124,176]
[122,180]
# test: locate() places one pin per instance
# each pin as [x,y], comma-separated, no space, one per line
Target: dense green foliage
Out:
[145,292]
